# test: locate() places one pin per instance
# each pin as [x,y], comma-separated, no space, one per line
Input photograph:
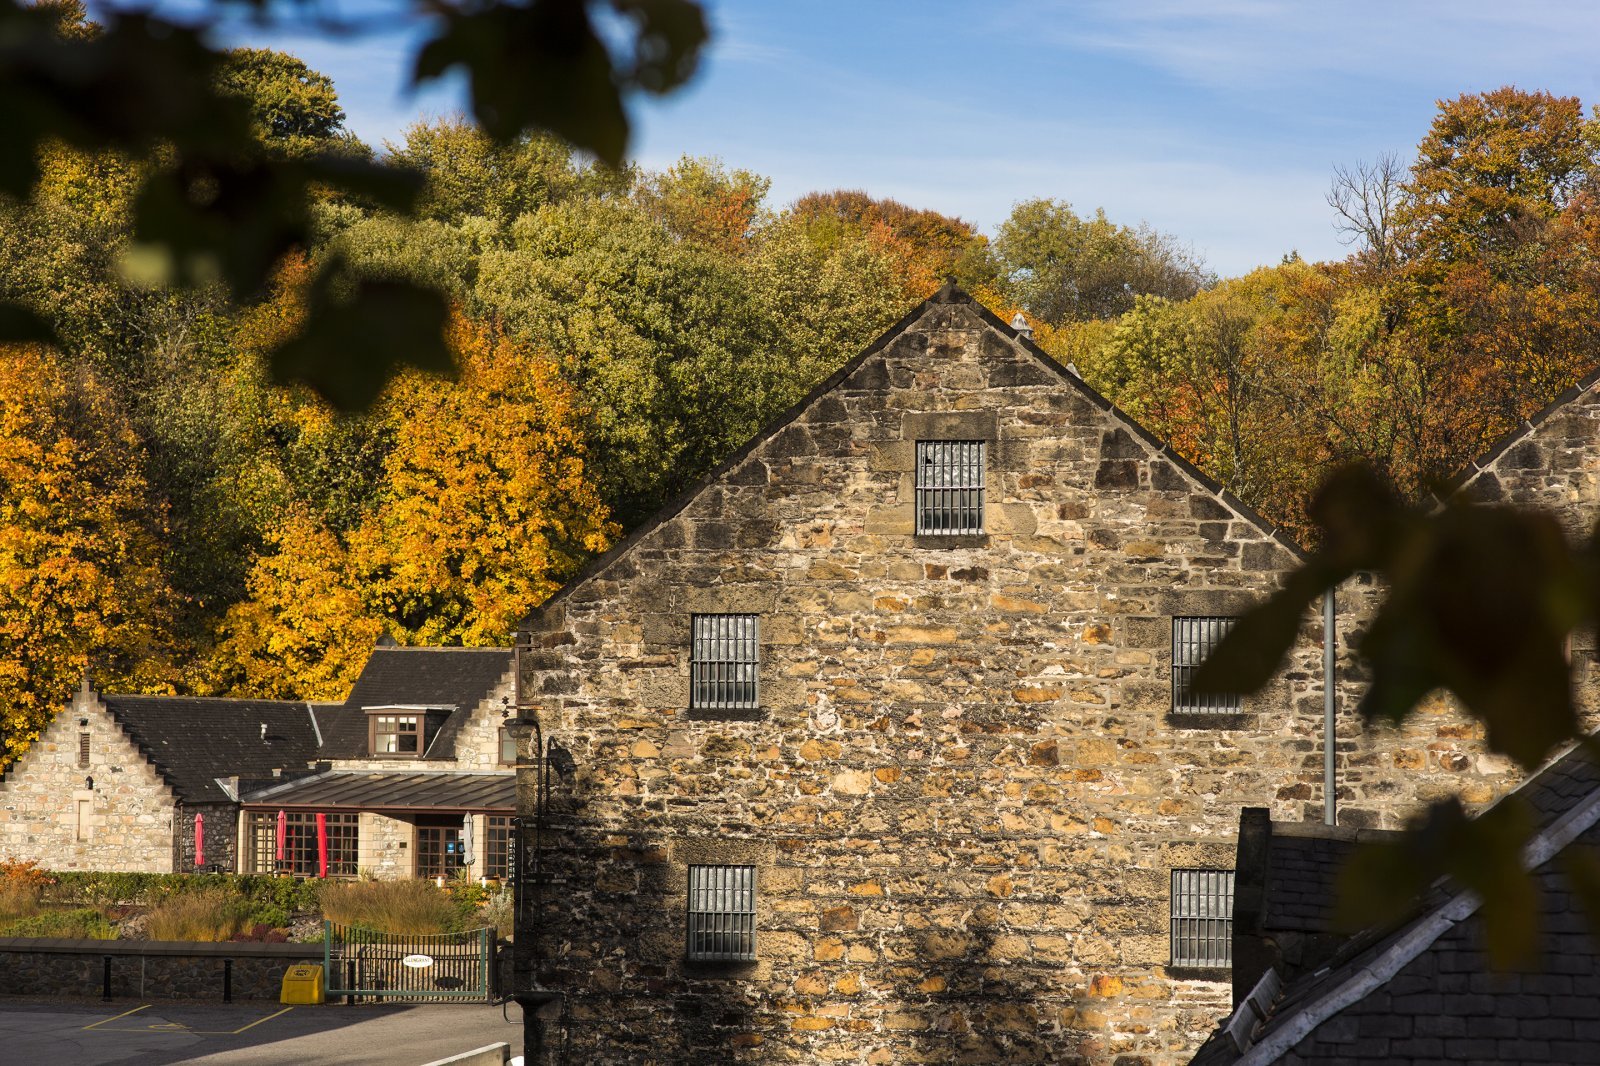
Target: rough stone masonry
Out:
[964,790]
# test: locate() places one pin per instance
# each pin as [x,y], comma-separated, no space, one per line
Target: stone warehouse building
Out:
[877,746]
[385,781]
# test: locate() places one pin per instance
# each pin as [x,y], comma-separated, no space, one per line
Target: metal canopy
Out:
[378,791]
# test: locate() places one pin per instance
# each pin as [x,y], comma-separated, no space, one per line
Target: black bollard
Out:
[227,980]
[105,985]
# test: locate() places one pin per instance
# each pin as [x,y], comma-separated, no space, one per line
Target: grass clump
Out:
[210,916]
[83,923]
[390,906]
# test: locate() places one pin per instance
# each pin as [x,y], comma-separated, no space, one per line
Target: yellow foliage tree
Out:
[488,508]
[304,631]
[79,584]
[484,510]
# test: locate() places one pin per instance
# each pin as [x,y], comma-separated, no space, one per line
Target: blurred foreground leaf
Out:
[358,334]
[1382,882]
[20,325]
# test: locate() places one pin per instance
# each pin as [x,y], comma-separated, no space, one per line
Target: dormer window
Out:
[405,732]
[949,487]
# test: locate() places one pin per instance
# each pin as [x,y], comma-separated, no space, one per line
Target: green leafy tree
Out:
[294,110]
[1061,267]
[217,210]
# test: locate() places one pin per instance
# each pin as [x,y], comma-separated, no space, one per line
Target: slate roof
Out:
[384,790]
[1420,991]
[454,678]
[192,741]
[950,293]
[1301,872]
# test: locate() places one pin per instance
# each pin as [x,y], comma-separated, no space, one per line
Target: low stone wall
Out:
[150,969]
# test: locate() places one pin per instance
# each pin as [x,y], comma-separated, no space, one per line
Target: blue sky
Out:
[1218,121]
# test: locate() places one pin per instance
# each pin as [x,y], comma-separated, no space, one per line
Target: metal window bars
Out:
[1202,918]
[949,487]
[1192,641]
[724,663]
[722,914]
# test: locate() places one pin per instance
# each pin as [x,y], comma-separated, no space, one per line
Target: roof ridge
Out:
[208,699]
[438,647]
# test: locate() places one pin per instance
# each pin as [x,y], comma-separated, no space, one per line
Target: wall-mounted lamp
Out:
[83,721]
[88,783]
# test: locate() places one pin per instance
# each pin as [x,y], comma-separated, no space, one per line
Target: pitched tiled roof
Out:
[1420,990]
[377,791]
[192,741]
[452,678]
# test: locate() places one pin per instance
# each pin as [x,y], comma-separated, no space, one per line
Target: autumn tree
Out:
[703,201]
[79,584]
[488,505]
[931,246]
[303,630]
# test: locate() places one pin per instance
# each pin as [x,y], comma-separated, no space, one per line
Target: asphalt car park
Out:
[148,1034]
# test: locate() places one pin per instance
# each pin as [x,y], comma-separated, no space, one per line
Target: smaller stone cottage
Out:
[412,775]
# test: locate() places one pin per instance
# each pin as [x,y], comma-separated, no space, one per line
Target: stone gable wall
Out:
[131,810]
[965,791]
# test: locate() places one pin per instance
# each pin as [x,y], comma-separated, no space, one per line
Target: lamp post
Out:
[527,884]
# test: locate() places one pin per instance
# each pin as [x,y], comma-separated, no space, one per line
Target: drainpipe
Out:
[1330,797]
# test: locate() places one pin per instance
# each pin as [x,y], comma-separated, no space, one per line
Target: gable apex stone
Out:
[803,429]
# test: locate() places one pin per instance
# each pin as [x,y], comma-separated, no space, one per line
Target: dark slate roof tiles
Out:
[192,741]
[454,678]
[1443,1003]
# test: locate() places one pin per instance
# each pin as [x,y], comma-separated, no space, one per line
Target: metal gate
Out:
[361,962]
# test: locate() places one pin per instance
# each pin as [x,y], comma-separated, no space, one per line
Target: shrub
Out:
[211,915]
[497,912]
[390,906]
[97,888]
[83,923]
[17,900]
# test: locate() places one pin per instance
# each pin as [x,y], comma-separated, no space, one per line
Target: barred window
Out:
[83,749]
[497,847]
[722,913]
[949,487]
[300,843]
[1192,640]
[724,661]
[1202,918]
